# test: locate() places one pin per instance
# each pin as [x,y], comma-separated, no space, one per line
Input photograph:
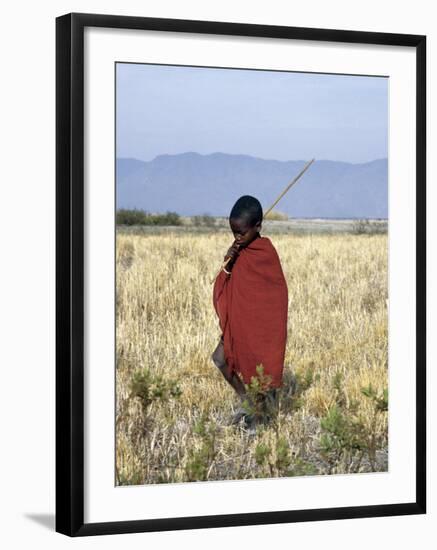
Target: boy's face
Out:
[244,233]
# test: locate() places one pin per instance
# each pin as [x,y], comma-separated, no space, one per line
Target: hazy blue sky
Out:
[267,114]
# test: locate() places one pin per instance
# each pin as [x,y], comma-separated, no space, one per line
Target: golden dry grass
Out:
[337,345]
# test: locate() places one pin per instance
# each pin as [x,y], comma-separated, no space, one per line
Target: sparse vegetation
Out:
[141,217]
[368,227]
[276,215]
[205,220]
[173,406]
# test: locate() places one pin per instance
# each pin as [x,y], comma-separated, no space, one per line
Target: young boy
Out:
[250,297]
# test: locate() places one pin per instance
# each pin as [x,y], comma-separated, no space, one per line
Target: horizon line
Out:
[244,155]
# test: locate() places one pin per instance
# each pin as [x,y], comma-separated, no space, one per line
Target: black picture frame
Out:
[70,273]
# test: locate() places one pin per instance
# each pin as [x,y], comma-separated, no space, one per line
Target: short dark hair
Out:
[249,208]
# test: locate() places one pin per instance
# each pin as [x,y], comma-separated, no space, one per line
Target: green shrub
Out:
[340,433]
[130,217]
[205,220]
[276,215]
[170,218]
[200,460]
[281,463]
[380,399]
[346,433]
[148,388]
[283,457]
[256,393]
[367,227]
[262,453]
[141,217]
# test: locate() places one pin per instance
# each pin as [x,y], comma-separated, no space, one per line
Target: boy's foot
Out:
[250,424]
[238,416]
[245,410]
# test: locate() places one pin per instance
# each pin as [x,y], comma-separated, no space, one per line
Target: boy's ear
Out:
[258,225]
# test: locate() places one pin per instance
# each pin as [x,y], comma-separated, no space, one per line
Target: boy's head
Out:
[245,219]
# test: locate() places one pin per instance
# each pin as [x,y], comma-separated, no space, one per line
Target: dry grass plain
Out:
[173,406]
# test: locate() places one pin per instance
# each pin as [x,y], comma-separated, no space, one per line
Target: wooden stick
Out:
[293,181]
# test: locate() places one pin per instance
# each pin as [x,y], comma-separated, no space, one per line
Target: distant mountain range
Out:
[193,184]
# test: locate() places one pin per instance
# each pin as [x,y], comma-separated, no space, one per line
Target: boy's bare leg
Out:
[233,379]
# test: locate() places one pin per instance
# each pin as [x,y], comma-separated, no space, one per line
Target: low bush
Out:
[276,215]
[141,217]
[205,220]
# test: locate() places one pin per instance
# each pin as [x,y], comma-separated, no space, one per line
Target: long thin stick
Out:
[293,181]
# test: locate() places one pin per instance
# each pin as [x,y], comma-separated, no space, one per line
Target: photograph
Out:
[216,322]
[251,274]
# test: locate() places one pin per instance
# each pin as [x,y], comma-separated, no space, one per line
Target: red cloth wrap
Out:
[252,306]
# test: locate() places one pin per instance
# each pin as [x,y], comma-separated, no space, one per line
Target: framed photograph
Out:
[240,255]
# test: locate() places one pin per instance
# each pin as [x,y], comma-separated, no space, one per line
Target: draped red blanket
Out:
[252,305]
